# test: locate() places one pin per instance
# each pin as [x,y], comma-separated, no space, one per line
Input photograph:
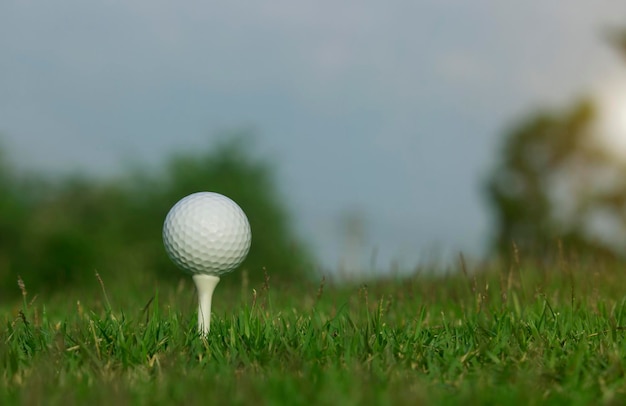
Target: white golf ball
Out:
[206,233]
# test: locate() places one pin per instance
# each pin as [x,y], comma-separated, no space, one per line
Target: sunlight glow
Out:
[611,104]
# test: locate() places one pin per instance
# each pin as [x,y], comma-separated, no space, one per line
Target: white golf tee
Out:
[205,284]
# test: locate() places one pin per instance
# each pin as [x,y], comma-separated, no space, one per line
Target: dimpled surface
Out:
[206,233]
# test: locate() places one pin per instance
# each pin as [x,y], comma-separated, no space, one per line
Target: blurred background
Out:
[360,138]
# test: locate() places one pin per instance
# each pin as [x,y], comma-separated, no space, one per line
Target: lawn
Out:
[495,334]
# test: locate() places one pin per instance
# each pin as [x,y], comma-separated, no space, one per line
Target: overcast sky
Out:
[393,110]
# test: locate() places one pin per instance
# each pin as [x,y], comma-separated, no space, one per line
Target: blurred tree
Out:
[72,230]
[11,217]
[555,183]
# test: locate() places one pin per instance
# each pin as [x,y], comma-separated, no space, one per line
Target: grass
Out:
[526,334]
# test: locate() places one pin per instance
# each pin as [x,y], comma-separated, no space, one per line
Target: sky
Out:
[390,112]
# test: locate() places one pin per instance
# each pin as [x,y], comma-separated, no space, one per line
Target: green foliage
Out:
[550,182]
[554,185]
[521,335]
[14,206]
[55,232]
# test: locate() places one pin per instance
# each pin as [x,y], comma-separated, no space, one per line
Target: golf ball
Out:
[206,233]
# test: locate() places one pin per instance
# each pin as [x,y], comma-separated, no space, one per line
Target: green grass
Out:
[530,335]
